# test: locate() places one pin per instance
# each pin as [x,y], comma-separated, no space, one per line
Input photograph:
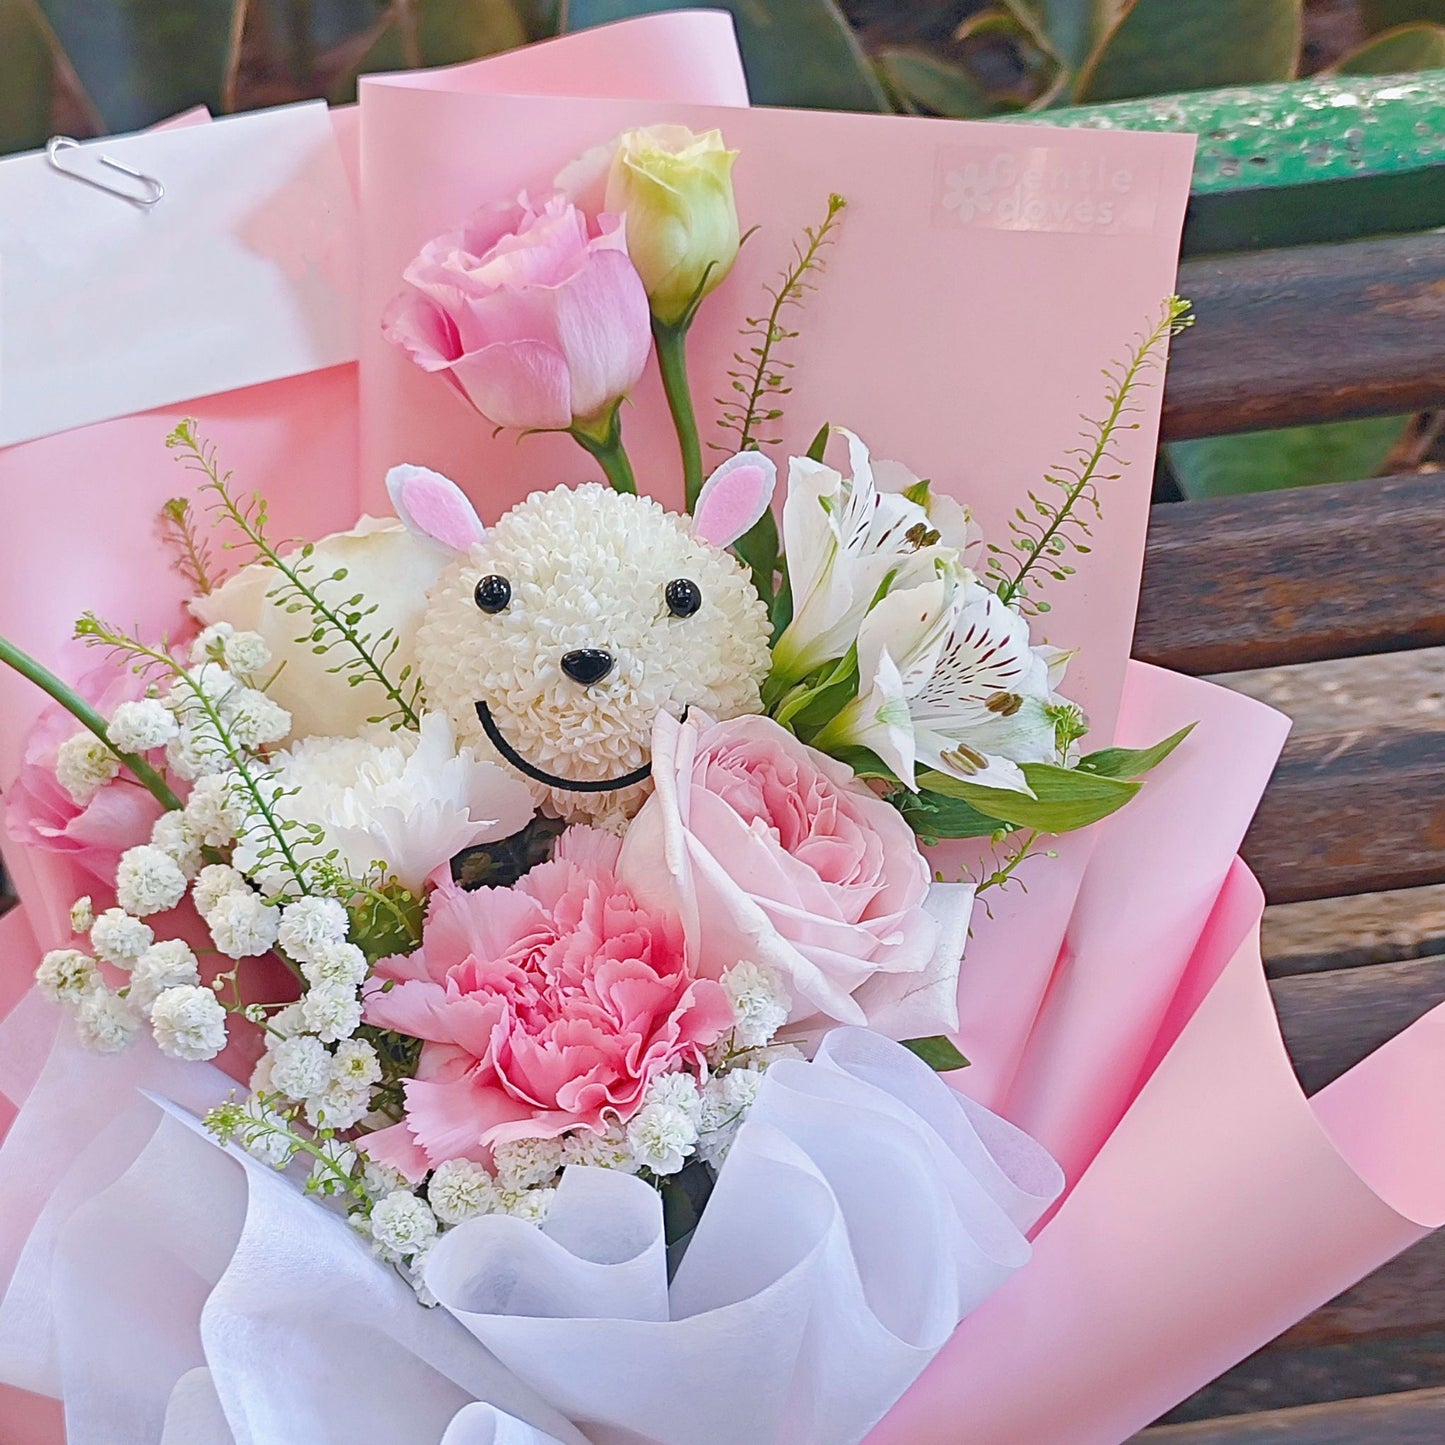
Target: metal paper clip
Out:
[154,190]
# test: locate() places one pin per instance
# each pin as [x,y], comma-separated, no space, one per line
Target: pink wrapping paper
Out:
[1014,324]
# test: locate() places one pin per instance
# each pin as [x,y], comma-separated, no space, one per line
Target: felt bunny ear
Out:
[733,498]
[434,508]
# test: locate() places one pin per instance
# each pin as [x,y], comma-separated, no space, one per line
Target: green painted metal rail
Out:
[1317,160]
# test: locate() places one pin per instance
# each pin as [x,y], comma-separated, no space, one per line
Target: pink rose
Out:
[545,1007]
[533,320]
[773,852]
[41,814]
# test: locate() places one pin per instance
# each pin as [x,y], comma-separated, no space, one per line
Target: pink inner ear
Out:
[434,507]
[731,503]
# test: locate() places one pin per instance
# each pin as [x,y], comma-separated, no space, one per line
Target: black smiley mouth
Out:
[551,780]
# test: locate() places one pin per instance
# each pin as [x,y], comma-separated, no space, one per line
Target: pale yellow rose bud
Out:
[676,190]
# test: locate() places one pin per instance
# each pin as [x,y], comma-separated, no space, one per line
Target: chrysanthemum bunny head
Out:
[557,636]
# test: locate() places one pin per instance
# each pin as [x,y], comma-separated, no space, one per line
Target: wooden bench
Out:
[1284,337]
[1287,337]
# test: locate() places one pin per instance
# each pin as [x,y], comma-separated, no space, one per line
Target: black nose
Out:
[587,665]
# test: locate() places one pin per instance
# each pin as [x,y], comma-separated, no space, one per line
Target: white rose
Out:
[389,567]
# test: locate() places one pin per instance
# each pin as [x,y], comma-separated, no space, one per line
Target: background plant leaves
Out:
[1343,451]
[1156,47]
[435,32]
[1420,46]
[796,52]
[141,61]
[26,85]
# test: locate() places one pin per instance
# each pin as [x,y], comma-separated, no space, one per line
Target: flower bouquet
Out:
[559,912]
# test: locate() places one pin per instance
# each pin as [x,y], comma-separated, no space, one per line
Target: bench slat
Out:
[1234,583]
[1403,1297]
[1359,812]
[1412,1417]
[1309,334]
[1331,1021]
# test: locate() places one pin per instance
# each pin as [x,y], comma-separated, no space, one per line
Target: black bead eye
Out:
[684,597]
[493,593]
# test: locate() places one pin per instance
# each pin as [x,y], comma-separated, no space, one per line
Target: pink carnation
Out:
[544,1007]
[41,814]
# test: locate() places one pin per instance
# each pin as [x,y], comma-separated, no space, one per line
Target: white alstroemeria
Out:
[411,800]
[949,680]
[844,539]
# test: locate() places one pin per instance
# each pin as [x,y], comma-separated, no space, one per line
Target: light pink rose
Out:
[773,852]
[41,814]
[530,317]
[545,1006]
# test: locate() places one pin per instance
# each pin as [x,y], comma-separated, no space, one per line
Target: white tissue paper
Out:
[173,1290]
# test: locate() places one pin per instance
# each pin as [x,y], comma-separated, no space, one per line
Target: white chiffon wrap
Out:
[172,1290]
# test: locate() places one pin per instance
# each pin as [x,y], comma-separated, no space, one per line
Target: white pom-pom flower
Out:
[82,915]
[66,975]
[167,964]
[521,1163]
[120,939]
[587,569]
[726,1099]
[189,1023]
[148,880]
[312,923]
[242,925]
[760,999]
[409,800]
[300,1066]
[461,1189]
[212,884]
[217,809]
[529,1205]
[402,1225]
[677,1089]
[254,721]
[210,643]
[606,1150]
[332,1013]
[245,653]
[335,966]
[661,1137]
[84,765]
[137,727]
[105,1022]
[173,836]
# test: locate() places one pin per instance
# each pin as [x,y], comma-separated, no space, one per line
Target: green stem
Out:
[604,441]
[672,362]
[85,714]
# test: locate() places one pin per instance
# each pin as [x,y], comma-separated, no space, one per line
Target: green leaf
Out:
[1419,46]
[140,61]
[1131,762]
[1336,451]
[1069,29]
[932,815]
[796,52]
[1386,14]
[26,79]
[443,32]
[938,1052]
[1064,798]
[932,82]
[1158,46]
[819,444]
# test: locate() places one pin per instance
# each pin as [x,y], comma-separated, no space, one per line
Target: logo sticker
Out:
[1041,188]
